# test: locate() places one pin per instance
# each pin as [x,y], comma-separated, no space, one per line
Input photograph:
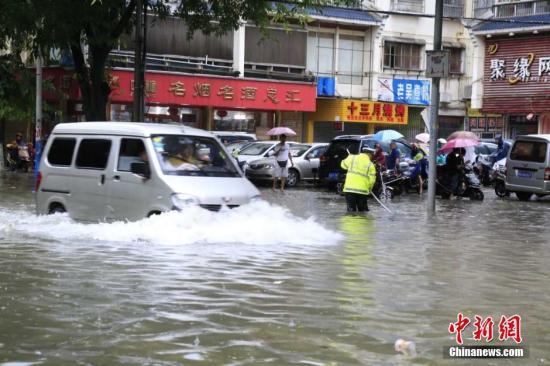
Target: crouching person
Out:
[360,178]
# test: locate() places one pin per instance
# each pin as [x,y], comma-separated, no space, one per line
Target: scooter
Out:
[499,178]
[484,169]
[468,185]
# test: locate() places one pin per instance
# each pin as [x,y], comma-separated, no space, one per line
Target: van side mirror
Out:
[141,168]
[309,156]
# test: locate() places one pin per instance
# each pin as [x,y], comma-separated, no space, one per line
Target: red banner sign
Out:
[191,90]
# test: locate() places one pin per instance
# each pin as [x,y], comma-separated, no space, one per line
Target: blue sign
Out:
[325,87]
[411,91]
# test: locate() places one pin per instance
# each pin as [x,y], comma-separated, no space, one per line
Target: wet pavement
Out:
[295,281]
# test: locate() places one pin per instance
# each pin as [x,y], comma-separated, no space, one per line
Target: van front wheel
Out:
[56,208]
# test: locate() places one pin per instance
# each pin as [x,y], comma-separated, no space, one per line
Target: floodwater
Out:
[292,280]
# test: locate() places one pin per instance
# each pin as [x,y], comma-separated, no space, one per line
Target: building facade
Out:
[514,46]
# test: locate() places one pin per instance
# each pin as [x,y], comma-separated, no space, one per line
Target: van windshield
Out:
[193,156]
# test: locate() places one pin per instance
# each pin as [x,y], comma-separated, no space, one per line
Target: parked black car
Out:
[330,173]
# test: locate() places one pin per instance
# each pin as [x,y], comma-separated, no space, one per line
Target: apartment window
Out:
[402,56]
[320,54]
[453,8]
[412,6]
[455,60]
[350,60]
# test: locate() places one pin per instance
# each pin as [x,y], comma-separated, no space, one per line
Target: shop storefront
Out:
[207,102]
[336,117]
[516,85]
[485,125]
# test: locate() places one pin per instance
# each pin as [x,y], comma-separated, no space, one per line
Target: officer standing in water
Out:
[360,179]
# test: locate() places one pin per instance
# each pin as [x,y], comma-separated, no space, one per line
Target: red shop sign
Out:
[215,92]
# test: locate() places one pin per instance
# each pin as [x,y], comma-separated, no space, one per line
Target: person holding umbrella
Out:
[282,155]
[360,178]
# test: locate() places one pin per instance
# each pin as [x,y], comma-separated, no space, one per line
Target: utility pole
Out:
[434,111]
[139,69]
[38,121]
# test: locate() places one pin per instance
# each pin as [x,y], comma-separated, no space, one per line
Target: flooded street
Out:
[303,283]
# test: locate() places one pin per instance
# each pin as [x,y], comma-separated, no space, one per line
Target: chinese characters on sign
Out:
[367,111]
[509,328]
[521,68]
[407,91]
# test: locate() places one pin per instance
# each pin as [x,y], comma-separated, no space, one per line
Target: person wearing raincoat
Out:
[360,178]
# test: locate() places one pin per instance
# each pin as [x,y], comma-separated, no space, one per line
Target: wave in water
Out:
[255,223]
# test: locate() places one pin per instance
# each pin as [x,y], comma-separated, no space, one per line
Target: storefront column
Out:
[238,50]
[278,118]
[209,118]
[309,131]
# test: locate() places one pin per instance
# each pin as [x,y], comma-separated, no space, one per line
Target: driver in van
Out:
[181,156]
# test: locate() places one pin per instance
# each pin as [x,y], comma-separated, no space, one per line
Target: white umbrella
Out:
[281,131]
[423,137]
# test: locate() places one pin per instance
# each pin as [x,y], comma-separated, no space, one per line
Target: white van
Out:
[528,166]
[124,170]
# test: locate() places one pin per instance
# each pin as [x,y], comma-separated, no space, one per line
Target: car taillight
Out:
[547,174]
[38,181]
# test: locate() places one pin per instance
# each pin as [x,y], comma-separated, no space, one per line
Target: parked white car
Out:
[306,164]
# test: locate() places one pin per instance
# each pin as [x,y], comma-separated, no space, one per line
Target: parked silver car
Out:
[306,164]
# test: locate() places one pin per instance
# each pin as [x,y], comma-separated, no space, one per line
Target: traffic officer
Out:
[360,179]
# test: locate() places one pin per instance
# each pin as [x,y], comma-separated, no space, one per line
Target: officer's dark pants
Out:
[357,202]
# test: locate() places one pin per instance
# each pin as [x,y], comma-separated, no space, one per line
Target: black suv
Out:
[330,172]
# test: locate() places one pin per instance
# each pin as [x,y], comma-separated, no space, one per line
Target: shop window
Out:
[455,60]
[402,56]
[234,121]
[320,54]
[350,60]
[93,154]
[61,152]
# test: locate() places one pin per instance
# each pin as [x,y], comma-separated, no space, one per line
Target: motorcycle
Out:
[499,178]
[484,169]
[468,184]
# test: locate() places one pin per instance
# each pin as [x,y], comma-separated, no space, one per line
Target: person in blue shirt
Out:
[502,150]
[392,161]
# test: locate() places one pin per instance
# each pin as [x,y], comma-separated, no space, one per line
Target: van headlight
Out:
[180,200]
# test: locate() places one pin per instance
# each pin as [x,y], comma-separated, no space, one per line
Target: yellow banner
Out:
[362,111]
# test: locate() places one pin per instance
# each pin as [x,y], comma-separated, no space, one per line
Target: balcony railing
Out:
[409,6]
[453,8]
[522,8]
[511,8]
[483,8]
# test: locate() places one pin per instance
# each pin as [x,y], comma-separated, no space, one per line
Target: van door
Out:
[130,196]
[88,190]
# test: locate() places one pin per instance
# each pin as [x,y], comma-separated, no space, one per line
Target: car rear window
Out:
[532,151]
[339,147]
[61,152]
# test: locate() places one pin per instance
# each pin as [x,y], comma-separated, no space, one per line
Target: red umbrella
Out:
[457,143]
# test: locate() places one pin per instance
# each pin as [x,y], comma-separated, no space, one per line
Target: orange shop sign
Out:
[363,111]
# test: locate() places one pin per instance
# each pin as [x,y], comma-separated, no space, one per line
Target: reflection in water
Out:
[339,289]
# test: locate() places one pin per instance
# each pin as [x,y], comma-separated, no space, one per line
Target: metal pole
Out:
[38,121]
[434,109]
[138,64]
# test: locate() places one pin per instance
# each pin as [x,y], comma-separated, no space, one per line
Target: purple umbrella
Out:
[281,131]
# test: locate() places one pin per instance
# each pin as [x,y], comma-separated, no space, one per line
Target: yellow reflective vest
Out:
[361,174]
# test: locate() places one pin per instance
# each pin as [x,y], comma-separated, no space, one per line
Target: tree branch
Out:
[124,20]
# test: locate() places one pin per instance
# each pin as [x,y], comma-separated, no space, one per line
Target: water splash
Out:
[255,223]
